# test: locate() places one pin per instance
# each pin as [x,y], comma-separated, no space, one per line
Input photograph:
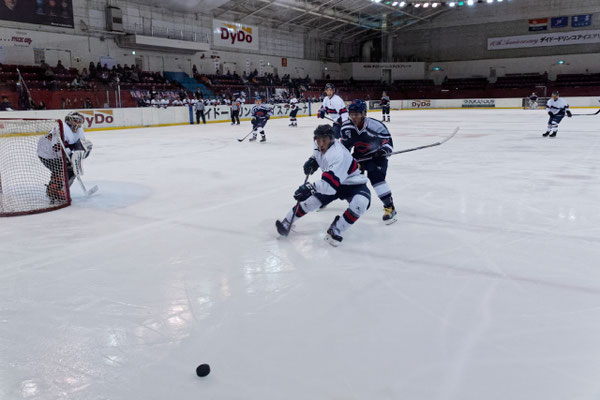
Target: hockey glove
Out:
[381,153]
[550,114]
[569,114]
[321,114]
[310,166]
[304,192]
[253,122]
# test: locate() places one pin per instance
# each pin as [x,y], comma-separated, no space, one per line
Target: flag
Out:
[540,24]
[559,22]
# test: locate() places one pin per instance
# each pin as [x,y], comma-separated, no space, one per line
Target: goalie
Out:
[76,148]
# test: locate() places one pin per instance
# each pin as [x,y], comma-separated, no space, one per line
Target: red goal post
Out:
[30,183]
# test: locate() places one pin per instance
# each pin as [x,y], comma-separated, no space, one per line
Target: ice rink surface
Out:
[487,287]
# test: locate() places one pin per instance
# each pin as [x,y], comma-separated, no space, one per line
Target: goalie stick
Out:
[417,148]
[76,164]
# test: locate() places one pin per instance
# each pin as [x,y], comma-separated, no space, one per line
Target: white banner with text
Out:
[544,40]
[235,35]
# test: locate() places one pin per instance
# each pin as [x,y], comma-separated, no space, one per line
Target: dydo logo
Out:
[97,117]
[421,104]
[236,33]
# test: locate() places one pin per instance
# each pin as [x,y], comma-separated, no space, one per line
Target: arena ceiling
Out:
[334,19]
[340,19]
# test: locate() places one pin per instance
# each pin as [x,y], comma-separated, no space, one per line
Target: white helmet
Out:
[75,120]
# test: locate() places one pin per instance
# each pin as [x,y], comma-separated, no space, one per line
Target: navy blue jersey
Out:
[261,112]
[385,101]
[373,136]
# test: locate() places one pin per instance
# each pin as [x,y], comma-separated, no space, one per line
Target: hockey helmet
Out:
[357,106]
[324,130]
[330,86]
[74,119]
[555,93]
[257,98]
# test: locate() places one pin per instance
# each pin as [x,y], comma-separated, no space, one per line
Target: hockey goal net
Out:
[33,169]
[539,104]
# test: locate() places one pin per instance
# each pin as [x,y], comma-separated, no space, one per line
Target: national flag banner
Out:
[540,24]
[559,22]
[581,20]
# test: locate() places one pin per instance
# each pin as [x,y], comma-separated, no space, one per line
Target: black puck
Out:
[203,370]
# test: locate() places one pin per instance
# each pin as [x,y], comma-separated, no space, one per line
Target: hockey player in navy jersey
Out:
[371,139]
[557,108]
[341,179]
[260,115]
[385,107]
[334,107]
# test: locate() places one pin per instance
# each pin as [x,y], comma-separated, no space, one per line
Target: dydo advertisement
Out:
[235,35]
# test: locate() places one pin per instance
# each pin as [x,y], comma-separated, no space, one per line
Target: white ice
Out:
[487,287]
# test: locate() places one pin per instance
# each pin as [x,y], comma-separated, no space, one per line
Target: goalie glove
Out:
[87,145]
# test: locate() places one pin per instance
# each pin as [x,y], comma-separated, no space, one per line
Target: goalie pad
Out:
[76,158]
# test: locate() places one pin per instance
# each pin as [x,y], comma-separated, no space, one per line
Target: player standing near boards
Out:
[341,179]
[334,107]
[372,141]
[293,110]
[385,106]
[557,108]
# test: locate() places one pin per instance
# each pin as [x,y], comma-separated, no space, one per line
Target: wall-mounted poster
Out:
[43,12]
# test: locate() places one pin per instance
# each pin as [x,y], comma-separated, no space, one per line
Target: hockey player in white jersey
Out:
[341,179]
[557,108]
[334,107]
[293,104]
[49,151]
[260,115]
[371,140]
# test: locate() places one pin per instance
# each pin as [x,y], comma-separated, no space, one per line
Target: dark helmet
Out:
[330,86]
[358,106]
[324,130]
[555,93]
[257,98]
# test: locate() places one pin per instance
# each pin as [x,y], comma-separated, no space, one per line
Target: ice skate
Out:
[389,215]
[333,236]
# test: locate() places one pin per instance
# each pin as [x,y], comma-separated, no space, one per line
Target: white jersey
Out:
[155,103]
[557,107]
[339,168]
[293,103]
[46,145]
[335,108]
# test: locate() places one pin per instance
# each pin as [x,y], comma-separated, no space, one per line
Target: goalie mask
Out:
[75,120]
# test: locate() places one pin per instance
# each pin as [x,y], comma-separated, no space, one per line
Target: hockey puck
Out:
[203,370]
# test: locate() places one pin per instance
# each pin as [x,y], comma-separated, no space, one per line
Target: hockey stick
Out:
[579,115]
[244,138]
[417,148]
[90,192]
[289,228]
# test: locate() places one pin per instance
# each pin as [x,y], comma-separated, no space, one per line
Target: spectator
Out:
[194,70]
[88,103]
[60,68]
[5,105]
[41,106]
